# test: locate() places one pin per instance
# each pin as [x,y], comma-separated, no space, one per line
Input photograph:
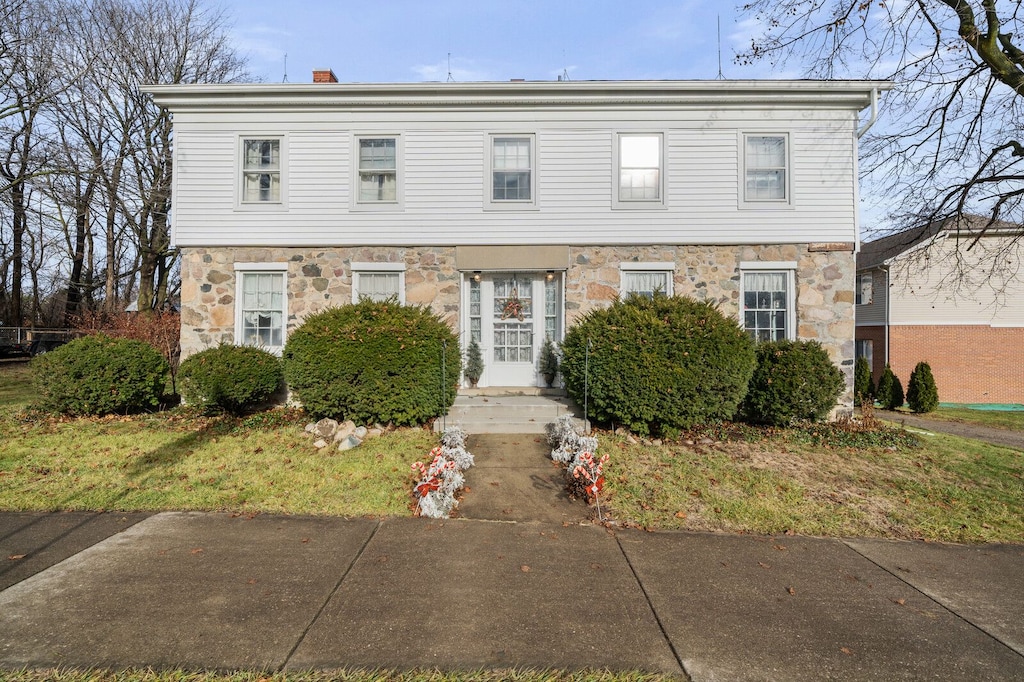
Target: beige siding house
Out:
[948,297]
[561,195]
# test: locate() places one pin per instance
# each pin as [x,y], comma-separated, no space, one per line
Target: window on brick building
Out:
[865,288]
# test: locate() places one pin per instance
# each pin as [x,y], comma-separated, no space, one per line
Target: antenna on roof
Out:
[721,76]
[450,78]
[565,69]
[285,79]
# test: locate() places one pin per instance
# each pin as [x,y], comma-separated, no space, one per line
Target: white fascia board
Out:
[852,95]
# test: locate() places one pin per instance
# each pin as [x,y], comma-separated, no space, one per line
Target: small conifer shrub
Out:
[922,393]
[890,391]
[863,385]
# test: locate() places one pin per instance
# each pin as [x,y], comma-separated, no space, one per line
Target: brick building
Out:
[949,295]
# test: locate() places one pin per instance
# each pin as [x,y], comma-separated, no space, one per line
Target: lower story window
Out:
[645,279]
[866,350]
[378,281]
[768,313]
[261,314]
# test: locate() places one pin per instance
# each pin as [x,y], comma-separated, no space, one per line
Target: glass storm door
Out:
[509,314]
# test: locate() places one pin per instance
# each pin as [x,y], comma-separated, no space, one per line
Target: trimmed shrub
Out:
[889,393]
[233,378]
[794,380]
[922,393]
[374,362]
[658,364]
[863,386]
[97,375]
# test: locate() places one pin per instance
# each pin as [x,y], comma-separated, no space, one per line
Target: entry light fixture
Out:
[476,276]
[551,275]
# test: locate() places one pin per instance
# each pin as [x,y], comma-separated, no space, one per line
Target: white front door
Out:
[510,313]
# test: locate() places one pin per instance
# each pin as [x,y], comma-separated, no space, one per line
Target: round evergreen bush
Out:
[794,380]
[97,375]
[890,391]
[863,386]
[922,393]
[233,378]
[372,362]
[658,364]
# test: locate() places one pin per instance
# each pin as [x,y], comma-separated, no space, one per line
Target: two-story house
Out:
[558,196]
[950,293]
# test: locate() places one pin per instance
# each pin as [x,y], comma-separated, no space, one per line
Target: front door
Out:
[510,314]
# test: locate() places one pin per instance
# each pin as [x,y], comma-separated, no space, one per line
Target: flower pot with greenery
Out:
[549,361]
[474,363]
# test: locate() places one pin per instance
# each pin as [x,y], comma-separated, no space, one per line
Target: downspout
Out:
[874,114]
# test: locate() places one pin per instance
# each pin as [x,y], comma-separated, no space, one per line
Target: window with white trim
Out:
[639,162]
[866,349]
[261,170]
[768,310]
[378,281]
[377,170]
[261,300]
[865,288]
[645,279]
[766,168]
[512,171]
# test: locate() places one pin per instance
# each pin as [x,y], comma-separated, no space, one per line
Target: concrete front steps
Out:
[507,410]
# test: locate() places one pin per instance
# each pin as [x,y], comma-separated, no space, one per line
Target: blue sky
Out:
[410,40]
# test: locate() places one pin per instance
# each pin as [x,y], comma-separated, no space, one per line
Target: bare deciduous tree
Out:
[950,141]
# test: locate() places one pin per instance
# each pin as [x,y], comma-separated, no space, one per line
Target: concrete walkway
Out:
[213,590]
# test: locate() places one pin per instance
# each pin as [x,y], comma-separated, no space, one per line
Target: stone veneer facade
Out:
[322,277]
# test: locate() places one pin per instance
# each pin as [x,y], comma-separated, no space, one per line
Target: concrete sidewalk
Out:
[216,591]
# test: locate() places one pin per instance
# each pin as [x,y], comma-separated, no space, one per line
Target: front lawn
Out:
[179,460]
[946,489]
[826,481]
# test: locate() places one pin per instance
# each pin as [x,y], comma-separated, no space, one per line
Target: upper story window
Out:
[261,170]
[865,288]
[260,312]
[512,169]
[377,168]
[639,160]
[378,281]
[766,168]
[769,311]
[645,279]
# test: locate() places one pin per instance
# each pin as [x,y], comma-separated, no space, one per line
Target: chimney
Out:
[324,76]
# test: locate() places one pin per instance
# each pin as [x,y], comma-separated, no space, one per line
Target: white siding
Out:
[443,168]
[944,284]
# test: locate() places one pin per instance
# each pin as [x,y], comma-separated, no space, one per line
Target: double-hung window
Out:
[865,288]
[766,169]
[639,162]
[261,170]
[768,300]
[378,281]
[646,279]
[260,311]
[512,170]
[377,170]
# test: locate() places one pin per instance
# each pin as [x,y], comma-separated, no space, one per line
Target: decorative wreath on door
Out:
[513,306]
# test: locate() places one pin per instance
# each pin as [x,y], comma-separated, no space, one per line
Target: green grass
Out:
[179,461]
[1013,421]
[15,385]
[948,489]
[348,675]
